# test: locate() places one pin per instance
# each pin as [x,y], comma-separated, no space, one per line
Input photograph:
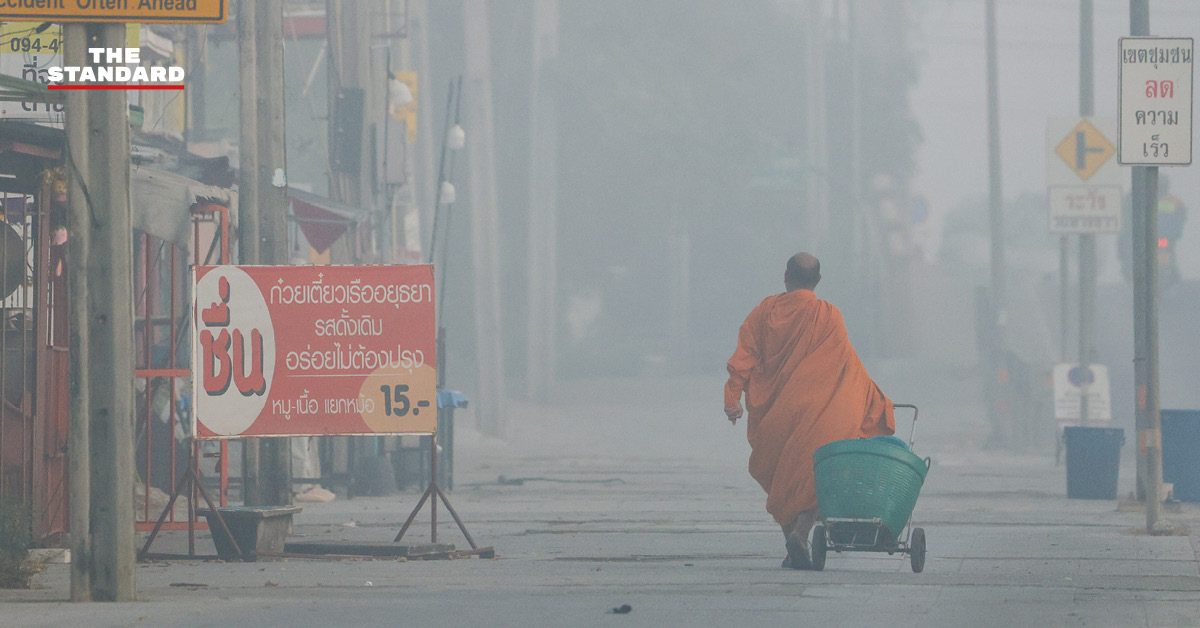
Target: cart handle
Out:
[912,433]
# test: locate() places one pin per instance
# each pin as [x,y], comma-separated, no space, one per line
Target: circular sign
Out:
[235,358]
[1080,375]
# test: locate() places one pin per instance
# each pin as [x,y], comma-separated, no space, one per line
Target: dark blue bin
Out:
[1181,453]
[1093,461]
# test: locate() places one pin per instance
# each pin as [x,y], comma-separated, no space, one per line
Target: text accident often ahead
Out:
[102,5]
[130,11]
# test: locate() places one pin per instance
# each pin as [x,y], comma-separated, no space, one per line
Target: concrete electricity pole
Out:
[102,366]
[1145,311]
[79,224]
[275,476]
[1087,241]
[262,205]
[425,170]
[542,332]
[349,26]
[816,125]
[248,237]
[485,224]
[357,106]
[1000,411]
[197,64]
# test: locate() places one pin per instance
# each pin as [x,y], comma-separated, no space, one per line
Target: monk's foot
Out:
[798,556]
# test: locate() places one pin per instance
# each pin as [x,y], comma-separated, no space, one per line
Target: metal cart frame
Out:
[867,535]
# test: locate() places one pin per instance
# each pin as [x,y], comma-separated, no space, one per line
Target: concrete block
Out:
[256,529]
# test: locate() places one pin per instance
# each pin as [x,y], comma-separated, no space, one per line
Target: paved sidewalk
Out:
[649,504]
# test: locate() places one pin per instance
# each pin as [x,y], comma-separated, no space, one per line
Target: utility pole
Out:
[1145,311]
[1000,411]
[110,339]
[197,62]
[816,122]
[272,162]
[350,24]
[853,38]
[542,332]
[248,204]
[275,476]
[1087,241]
[102,336]
[424,169]
[357,105]
[79,225]
[865,261]
[485,224]
[1064,301]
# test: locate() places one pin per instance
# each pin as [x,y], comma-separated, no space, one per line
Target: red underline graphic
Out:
[114,87]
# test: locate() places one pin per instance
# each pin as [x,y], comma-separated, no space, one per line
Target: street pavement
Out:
[636,493]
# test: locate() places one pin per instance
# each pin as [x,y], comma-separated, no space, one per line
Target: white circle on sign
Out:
[227,399]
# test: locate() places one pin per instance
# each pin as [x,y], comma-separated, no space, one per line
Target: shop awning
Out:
[160,202]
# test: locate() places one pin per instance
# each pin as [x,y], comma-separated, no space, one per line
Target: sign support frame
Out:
[192,479]
[432,493]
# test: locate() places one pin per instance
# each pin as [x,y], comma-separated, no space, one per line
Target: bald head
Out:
[803,272]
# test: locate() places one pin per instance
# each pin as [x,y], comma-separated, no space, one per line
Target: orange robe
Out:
[805,387]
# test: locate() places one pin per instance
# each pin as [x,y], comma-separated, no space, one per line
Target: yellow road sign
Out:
[1085,150]
[407,113]
[29,38]
[138,11]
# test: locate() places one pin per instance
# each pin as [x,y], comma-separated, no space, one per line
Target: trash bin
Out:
[1093,461]
[1181,453]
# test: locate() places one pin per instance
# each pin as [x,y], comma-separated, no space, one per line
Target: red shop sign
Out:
[313,351]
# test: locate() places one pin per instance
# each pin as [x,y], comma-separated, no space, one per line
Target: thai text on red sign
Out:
[314,350]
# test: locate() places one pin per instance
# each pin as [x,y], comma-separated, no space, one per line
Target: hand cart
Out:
[866,491]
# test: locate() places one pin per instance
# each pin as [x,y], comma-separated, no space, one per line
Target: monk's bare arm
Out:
[744,359]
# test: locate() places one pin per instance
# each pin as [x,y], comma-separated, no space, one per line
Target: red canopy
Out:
[322,220]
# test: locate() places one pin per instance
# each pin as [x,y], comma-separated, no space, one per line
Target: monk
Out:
[805,387]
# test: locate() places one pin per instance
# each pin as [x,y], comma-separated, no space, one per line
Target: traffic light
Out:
[1172,215]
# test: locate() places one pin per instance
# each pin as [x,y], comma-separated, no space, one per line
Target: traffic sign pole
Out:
[1145,340]
[1064,301]
[1087,241]
[1145,309]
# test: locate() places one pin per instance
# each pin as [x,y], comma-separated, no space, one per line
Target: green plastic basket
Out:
[865,479]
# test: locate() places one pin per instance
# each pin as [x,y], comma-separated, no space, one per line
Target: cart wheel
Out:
[819,548]
[916,550]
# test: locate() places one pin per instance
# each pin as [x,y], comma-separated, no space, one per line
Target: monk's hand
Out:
[734,413]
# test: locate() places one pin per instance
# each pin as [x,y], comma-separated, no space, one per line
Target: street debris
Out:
[316,495]
[505,481]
